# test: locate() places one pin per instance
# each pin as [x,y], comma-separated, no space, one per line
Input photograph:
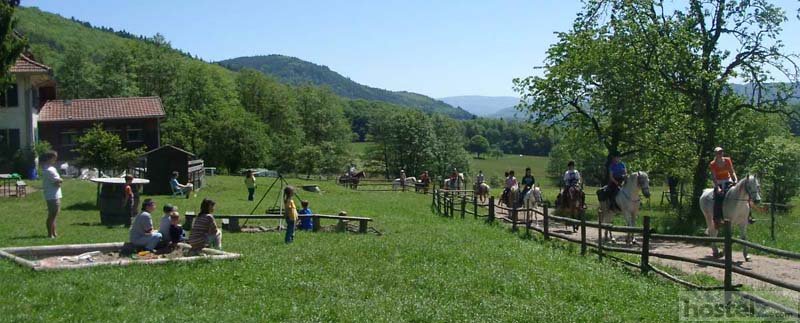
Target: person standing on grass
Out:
[51,187]
[204,230]
[290,213]
[128,198]
[403,179]
[142,234]
[250,182]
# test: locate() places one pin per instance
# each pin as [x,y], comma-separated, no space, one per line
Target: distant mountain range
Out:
[483,106]
[294,71]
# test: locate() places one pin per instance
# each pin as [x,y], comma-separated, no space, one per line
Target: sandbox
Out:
[100,254]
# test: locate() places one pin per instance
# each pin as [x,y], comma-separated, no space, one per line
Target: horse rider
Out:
[724,177]
[424,178]
[572,177]
[616,175]
[480,178]
[511,183]
[351,171]
[527,181]
[403,178]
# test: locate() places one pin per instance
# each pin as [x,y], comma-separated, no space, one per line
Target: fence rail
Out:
[449,203]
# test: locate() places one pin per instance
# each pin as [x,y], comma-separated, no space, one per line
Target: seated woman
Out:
[142,235]
[204,230]
[186,189]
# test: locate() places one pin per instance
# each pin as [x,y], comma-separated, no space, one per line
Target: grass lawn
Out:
[423,268]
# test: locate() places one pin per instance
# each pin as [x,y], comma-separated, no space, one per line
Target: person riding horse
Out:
[511,183]
[616,175]
[480,178]
[351,170]
[572,177]
[724,177]
[527,181]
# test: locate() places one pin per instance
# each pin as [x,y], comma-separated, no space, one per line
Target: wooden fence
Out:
[448,204]
[380,185]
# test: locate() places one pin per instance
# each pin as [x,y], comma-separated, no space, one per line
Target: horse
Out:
[532,199]
[353,179]
[735,207]
[572,202]
[511,198]
[457,186]
[482,192]
[410,182]
[628,202]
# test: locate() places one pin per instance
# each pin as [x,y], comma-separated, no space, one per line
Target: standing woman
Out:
[250,182]
[51,187]
[291,213]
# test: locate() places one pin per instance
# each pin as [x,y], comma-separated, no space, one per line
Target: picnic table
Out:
[6,183]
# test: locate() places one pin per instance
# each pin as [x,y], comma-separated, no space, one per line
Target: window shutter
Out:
[13,97]
[13,139]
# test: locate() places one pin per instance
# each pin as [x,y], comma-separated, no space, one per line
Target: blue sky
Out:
[438,48]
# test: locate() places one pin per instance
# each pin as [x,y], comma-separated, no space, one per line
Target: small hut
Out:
[158,165]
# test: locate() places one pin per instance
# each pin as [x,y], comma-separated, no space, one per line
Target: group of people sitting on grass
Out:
[204,233]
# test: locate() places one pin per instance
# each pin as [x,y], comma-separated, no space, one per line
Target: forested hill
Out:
[295,71]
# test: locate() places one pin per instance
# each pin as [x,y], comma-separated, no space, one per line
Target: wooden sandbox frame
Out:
[18,254]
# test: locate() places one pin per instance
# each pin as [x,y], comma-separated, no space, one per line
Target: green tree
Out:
[777,159]
[77,75]
[12,45]
[237,141]
[116,74]
[478,145]
[103,150]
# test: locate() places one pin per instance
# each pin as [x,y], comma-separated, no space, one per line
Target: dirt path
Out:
[784,269]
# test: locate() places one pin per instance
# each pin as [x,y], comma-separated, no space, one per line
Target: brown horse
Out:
[511,197]
[572,203]
[352,180]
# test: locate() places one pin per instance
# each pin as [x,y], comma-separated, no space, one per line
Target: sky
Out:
[438,48]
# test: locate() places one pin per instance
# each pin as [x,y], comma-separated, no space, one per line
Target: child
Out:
[128,197]
[291,213]
[175,229]
[165,223]
[305,222]
[250,182]
[204,229]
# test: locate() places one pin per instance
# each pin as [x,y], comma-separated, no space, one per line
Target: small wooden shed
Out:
[158,165]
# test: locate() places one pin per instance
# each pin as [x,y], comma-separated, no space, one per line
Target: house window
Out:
[70,137]
[135,135]
[9,139]
[10,98]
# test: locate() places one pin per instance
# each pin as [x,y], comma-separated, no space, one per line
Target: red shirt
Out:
[128,192]
[722,172]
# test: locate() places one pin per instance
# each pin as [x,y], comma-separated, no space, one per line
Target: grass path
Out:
[423,268]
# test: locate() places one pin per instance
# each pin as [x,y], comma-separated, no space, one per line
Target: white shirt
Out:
[572,177]
[50,187]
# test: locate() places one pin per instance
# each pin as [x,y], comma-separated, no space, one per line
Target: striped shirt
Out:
[202,227]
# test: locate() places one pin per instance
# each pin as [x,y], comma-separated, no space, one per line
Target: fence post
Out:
[645,262]
[600,235]
[583,233]
[728,283]
[772,212]
[475,205]
[546,218]
[463,206]
[433,198]
[490,218]
[514,217]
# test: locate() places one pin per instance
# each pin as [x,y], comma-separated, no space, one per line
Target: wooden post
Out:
[728,281]
[233,225]
[600,236]
[645,262]
[583,233]
[433,199]
[475,206]
[514,217]
[772,212]
[546,218]
[315,224]
[438,202]
[463,206]
[490,218]
[188,220]
[362,226]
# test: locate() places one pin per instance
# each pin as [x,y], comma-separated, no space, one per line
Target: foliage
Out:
[236,142]
[514,137]
[103,150]
[478,145]
[588,154]
[12,46]
[777,160]
[291,70]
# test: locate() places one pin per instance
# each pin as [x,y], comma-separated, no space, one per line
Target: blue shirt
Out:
[617,169]
[305,222]
[173,183]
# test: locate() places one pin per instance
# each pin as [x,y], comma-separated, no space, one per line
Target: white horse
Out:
[628,201]
[482,192]
[735,207]
[458,185]
[533,199]
[410,181]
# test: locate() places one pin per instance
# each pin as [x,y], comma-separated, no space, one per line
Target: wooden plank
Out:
[779,252]
[684,238]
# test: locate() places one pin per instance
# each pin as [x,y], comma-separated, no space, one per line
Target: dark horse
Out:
[571,203]
[352,180]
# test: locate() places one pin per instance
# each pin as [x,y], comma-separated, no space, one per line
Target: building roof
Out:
[25,64]
[169,147]
[102,109]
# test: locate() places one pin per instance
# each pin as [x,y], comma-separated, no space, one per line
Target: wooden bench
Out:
[233,220]
[22,189]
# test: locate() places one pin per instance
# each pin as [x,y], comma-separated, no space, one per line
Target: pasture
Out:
[422,268]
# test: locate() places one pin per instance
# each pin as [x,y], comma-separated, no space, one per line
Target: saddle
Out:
[605,194]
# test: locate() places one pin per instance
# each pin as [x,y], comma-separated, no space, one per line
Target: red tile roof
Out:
[26,65]
[102,109]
